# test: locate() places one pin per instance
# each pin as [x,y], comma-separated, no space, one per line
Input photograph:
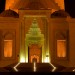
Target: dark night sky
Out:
[2,5]
[69,7]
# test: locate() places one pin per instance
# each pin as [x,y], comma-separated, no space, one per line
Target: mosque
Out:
[36,30]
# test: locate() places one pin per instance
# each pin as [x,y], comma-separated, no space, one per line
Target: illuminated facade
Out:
[36,30]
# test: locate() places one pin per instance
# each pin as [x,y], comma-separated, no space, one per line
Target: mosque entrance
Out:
[34,44]
[35,53]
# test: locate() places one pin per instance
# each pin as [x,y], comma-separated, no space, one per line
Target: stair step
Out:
[29,67]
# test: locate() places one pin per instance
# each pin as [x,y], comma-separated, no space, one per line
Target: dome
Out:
[9,13]
[59,14]
[35,5]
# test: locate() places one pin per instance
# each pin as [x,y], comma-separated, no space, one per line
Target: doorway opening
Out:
[35,53]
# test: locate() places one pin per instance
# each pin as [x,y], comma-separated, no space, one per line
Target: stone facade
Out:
[52,27]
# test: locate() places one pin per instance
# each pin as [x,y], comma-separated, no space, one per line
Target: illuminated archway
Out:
[34,36]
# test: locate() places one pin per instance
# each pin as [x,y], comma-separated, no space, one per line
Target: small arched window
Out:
[61,48]
[61,44]
[8,45]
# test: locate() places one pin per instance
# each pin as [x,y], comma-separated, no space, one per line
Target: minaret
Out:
[10,4]
[60,3]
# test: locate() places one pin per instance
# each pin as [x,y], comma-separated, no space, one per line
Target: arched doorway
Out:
[35,59]
[35,53]
[34,44]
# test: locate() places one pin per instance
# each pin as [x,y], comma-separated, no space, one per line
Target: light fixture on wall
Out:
[22,60]
[47,59]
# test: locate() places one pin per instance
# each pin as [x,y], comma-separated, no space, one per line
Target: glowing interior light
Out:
[16,68]
[22,60]
[61,48]
[34,67]
[8,48]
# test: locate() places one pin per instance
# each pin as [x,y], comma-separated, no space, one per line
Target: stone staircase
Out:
[25,67]
[59,68]
[29,67]
[43,67]
[40,67]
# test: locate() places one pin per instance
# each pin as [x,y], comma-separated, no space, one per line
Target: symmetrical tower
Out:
[8,4]
[11,3]
[60,3]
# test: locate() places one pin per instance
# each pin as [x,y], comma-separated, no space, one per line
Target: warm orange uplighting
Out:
[61,48]
[60,3]
[8,48]
[9,3]
[35,57]
[34,52]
